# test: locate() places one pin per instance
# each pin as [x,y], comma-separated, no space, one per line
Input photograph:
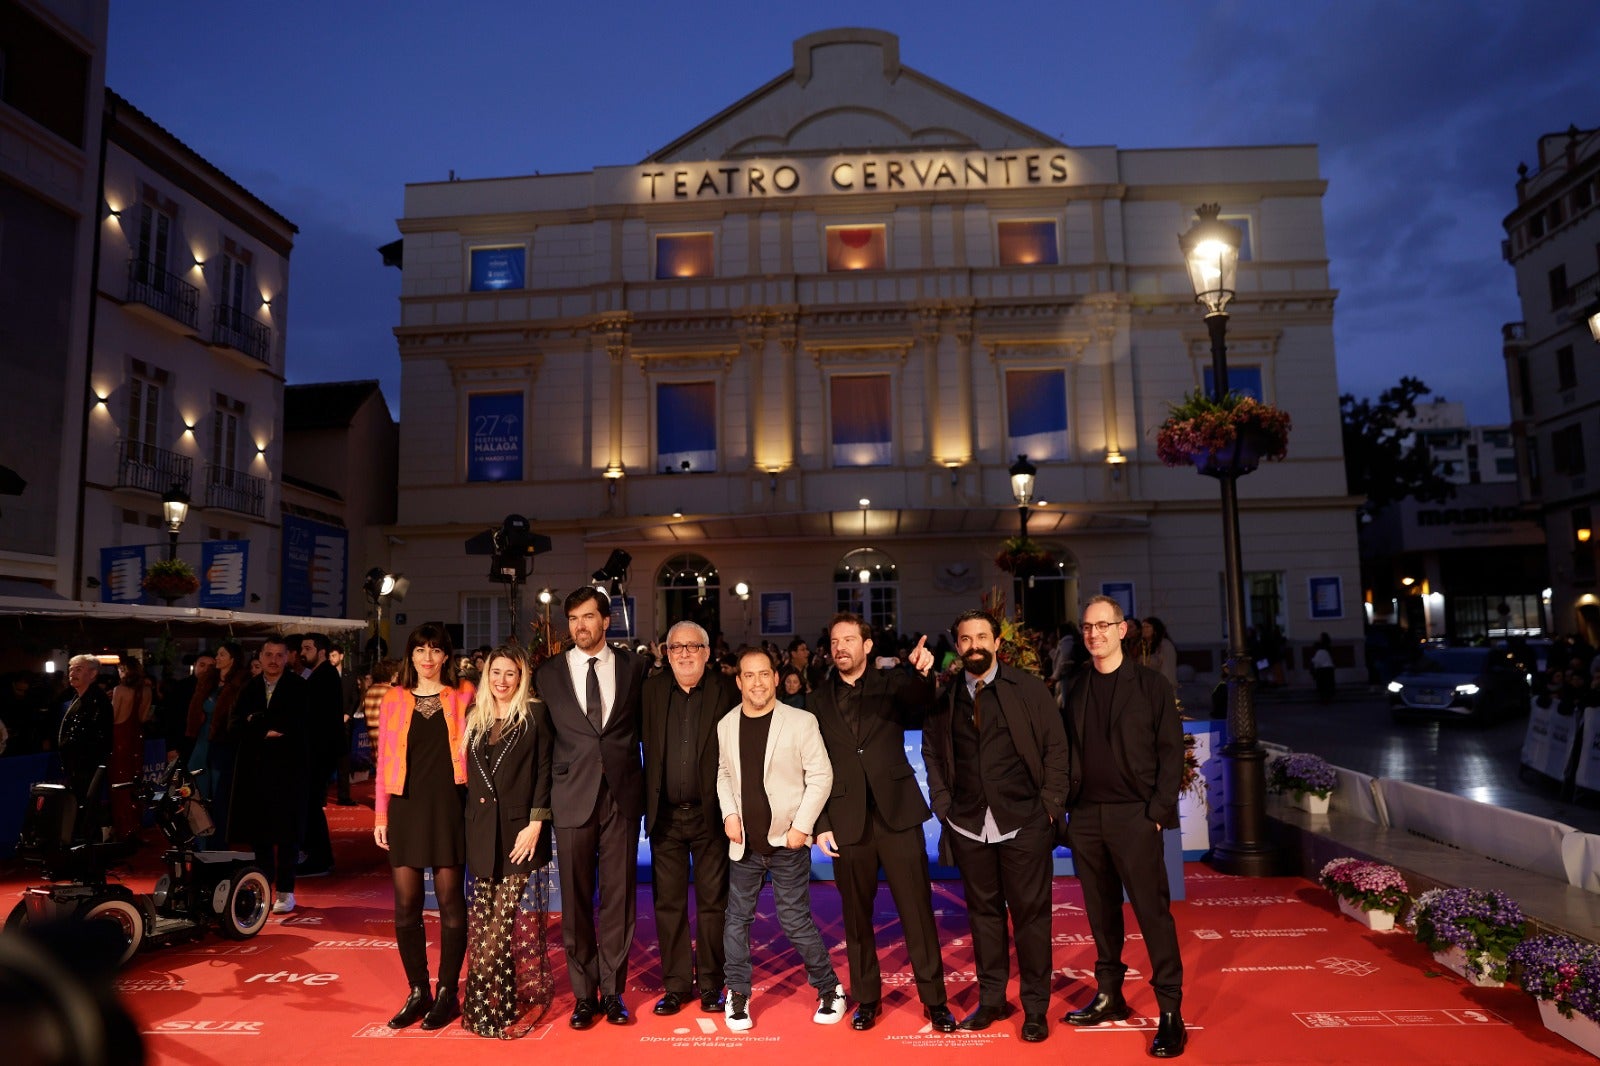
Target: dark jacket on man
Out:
[889,702]
[718,695]
[83,739]
[270,778]
[1146,737]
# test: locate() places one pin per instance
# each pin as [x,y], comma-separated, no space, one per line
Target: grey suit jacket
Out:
[796,773]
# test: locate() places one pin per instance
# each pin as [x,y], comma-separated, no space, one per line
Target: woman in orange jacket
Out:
[420,802]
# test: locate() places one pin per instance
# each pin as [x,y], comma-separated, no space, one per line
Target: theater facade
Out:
[786,362]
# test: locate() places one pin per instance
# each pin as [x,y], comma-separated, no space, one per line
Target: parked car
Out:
[1479,685]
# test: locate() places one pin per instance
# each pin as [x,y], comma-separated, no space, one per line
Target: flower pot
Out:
[1377,921]
[1239,459]
[1474,967]
[1308,801]
[1584,1032]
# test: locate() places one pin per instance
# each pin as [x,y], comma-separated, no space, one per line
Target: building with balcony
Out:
[796,350]
[1553,365]
[187,377]
[52,77]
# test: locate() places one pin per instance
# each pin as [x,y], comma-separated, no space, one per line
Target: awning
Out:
[61,623]
[919,522]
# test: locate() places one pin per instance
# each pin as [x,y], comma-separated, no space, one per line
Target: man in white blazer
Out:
[773,776]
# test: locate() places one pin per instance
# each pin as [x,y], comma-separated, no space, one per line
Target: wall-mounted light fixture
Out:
[1584,533]
[741,590]
[955,472]
[1116,461]
[1592,317]
[772,479]
[613,473]
[1408,581]
[112,212]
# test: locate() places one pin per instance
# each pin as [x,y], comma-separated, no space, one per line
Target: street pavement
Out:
[1482,763]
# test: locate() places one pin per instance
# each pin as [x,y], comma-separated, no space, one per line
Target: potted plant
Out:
[170,579]
[1193,782]
[1563,974]
[1370,892]
[1470,931]
[1307,780]
[1222,438]
[1023,556]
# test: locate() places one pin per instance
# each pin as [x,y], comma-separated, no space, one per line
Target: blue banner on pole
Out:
[315,568]
[122,574]
[494,436]
[224,566]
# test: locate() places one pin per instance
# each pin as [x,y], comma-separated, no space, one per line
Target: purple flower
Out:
[1477,921]
[1302,772]
[1563,970]
[1369,885]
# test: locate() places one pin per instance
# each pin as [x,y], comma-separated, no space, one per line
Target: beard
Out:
[977,661]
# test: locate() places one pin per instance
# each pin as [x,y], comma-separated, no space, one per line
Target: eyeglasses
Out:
[679,649]
[1090,628]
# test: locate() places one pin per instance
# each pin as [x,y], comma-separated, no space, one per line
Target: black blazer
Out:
[325,709]
[580,756]
[719,696]
[1034,722]
[504,795]
[1146,736]
[270,778]
[892,701]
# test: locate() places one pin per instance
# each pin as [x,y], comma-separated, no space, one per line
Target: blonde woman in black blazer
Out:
[507,742]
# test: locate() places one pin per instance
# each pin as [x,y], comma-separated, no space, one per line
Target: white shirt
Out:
[578,669]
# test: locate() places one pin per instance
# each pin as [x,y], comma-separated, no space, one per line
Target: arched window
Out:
[688,589]
[867,583]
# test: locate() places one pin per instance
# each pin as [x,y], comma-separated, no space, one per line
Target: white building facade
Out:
[798,349]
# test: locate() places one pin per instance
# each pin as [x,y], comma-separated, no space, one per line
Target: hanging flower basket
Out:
[1222,438]
[1025,558]
[170,579]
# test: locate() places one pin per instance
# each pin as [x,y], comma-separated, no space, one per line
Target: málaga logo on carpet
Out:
[360,943]
[150,984]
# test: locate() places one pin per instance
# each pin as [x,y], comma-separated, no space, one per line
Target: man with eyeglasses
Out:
[680,708]
[1127,760]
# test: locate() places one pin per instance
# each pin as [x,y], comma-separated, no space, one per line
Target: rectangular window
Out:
[685,255]
[1241,379]
[1566,450]
[857,248]
[1028,244]
[1505,465]
[225,440]
[144,416]
[863,426]
[1560,294]
[484,620]
[154,247]
[1524,385]
[1246,235]
[1036,414]
[686,427]
[1535,227]
[494,436]
[498,268]
[1582,197]
[235,277]
[1566,368]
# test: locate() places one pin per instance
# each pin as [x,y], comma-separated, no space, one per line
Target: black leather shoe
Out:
[616,1013]
[446,1009]
[1035,1028]
[713,1001]
[1103,1008]
[415,1006]
[865,1017]
[940,1016]
[667,1005]
[584,1013]
[1171,1037]
[984,1017]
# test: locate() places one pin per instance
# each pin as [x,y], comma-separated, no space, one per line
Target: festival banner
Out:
[224,566]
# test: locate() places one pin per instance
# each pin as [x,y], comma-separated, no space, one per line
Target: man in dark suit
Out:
[83,738]
[1127,755]
[681,708]
[325,729]
[997,778]
[597,799]
[272,774]
[874,816]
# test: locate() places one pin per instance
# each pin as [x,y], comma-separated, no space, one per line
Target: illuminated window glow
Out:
[1031,243]
[857,248]
[685,255]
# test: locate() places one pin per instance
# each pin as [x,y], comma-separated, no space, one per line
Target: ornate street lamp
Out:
[1022,479]
[174,508]
[1211,251]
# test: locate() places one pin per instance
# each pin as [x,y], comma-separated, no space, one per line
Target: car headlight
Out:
[1466,690]
[1395,686]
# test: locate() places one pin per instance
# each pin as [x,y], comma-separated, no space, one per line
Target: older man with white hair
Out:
[84,738]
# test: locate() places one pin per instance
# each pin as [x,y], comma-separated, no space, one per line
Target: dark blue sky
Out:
[1421,112]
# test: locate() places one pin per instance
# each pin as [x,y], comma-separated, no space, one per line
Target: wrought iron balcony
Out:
[165,292]
[243,332]
[235,490]
[144,466]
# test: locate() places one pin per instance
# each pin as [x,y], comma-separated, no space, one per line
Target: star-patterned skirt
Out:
[509,983]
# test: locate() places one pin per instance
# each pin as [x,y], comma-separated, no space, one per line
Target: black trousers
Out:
[601,853]
[904,860]
[318,844]
[1012,877]
[681,835]
[1115,846]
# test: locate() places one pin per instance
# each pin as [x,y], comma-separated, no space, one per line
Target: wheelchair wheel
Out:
[125,915]
[18,917]
[249,904]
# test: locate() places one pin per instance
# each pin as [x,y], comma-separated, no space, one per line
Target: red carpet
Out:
[1273,975]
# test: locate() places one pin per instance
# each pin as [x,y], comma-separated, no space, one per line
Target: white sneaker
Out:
[830,1006]
[285,904]
[737,1013]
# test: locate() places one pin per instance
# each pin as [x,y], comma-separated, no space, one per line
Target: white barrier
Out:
[1525,841]
[1588,774]
[1547,745]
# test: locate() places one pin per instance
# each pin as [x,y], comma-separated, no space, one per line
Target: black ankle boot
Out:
[416,1005]
[444,1011]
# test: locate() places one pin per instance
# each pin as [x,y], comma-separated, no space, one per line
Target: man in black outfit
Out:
[325,735]
[270,777]
[83,738]
[596,800]
[997,778]
[874,816]
[1127,749]
[681,708]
